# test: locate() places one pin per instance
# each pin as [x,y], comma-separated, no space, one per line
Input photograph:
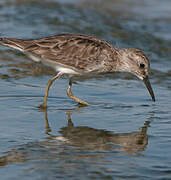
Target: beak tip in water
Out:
[154,99]
[148,85]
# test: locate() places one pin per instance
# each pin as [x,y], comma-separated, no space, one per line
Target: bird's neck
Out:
[120,58]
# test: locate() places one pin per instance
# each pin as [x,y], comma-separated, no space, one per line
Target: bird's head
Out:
[136,62]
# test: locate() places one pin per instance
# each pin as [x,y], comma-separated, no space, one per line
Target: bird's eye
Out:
[142,65]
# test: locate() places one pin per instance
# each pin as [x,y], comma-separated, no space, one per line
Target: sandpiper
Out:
[82,56]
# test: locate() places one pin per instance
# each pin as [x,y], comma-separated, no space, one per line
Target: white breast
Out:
[65,70]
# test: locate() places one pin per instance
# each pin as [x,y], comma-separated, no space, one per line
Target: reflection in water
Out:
[102,140]
[83,138]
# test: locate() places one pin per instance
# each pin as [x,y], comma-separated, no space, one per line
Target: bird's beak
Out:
[148,85]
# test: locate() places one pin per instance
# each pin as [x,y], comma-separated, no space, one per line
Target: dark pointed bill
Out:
[148,85]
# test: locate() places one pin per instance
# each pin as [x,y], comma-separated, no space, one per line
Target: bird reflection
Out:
[82,138]
[101,140]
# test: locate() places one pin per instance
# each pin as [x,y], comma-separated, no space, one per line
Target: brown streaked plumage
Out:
[80,56]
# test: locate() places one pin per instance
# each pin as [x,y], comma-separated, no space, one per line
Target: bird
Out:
[82,56]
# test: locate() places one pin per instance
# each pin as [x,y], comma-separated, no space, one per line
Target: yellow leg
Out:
[70,95]
[44,104]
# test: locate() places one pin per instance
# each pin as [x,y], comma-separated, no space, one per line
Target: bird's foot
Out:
[43,106]
[82,103]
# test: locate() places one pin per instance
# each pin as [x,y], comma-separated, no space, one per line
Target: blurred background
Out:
[122,134]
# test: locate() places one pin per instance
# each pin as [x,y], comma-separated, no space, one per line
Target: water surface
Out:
[122,134]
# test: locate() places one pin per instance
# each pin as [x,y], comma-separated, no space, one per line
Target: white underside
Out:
[34,58]
[65,70]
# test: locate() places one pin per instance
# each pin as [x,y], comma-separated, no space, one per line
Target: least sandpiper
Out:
[82,56]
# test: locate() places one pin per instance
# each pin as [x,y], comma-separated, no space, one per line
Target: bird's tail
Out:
[13,43]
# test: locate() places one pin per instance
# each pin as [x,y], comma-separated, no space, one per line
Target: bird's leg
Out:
[44,104]
[69,93]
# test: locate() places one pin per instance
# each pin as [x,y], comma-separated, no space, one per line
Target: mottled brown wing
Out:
[77,51]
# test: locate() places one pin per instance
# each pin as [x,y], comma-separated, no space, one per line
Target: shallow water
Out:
[122,134]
